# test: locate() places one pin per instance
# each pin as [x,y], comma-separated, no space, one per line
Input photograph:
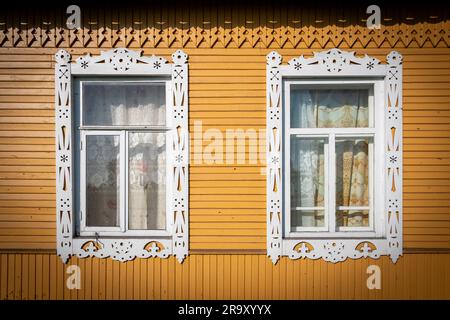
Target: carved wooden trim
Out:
[276,27]
[122,62]
[329,64]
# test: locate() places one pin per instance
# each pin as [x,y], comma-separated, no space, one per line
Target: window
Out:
[122,133]
[122,155]
[334,188]
[332,129]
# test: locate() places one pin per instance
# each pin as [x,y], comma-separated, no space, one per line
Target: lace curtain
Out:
[329,109]
[122,104]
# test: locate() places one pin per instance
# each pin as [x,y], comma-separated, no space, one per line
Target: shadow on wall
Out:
[231,24]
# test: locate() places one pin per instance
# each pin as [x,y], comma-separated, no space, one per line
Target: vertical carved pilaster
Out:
[180,154]
[274,156]
[393,123]
[63,127]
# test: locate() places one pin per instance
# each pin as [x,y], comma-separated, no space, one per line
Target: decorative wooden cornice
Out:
[227,27]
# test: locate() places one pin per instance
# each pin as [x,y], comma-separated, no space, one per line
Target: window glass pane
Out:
[352,181]
[307,218]
[329,108]
[124,104]
[102,181]
[307,181]
[147,181]
[352,218]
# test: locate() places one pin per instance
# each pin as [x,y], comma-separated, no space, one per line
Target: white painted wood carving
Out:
[119,62]
[328,65]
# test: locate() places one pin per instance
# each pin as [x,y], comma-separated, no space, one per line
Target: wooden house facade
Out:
[227,239]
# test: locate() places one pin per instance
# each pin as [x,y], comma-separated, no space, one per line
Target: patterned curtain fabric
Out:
[330,109]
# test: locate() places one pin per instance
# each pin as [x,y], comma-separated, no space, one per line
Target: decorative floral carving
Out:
[372,63]
[273,59]
[297,64]
[62,57]
[334,251]
[394,58]
[120,60]
[122,250]
[179,57]
[156,65]
[155,249]
[334,61]
[275,205]
[367,249]
[274,114]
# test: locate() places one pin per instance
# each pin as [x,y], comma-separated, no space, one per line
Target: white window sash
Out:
[97,230]
[123,131]
[331,134]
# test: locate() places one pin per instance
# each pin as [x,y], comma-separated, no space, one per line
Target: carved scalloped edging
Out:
[335,61]
[328,64]
[333,250]
[122,249]
[122,62]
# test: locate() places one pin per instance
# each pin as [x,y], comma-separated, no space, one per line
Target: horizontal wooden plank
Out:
[30,219]
[219,230]
[38,225]
[27,190]
[32,211]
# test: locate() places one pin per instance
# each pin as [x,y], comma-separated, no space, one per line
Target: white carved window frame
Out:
[329,65]
[117,63]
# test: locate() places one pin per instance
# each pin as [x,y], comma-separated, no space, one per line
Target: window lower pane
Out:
[352,218]
[307,174]
[352,181]
[102,180]
[307,218]
[147,181]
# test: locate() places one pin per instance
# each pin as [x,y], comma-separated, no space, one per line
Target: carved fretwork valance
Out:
[225,27]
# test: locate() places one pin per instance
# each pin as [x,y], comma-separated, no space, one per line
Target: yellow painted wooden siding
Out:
[227,48]
[43,276]
[227,91]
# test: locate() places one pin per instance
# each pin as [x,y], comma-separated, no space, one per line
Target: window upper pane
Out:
[329,108]
[102,181]
[124,103]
